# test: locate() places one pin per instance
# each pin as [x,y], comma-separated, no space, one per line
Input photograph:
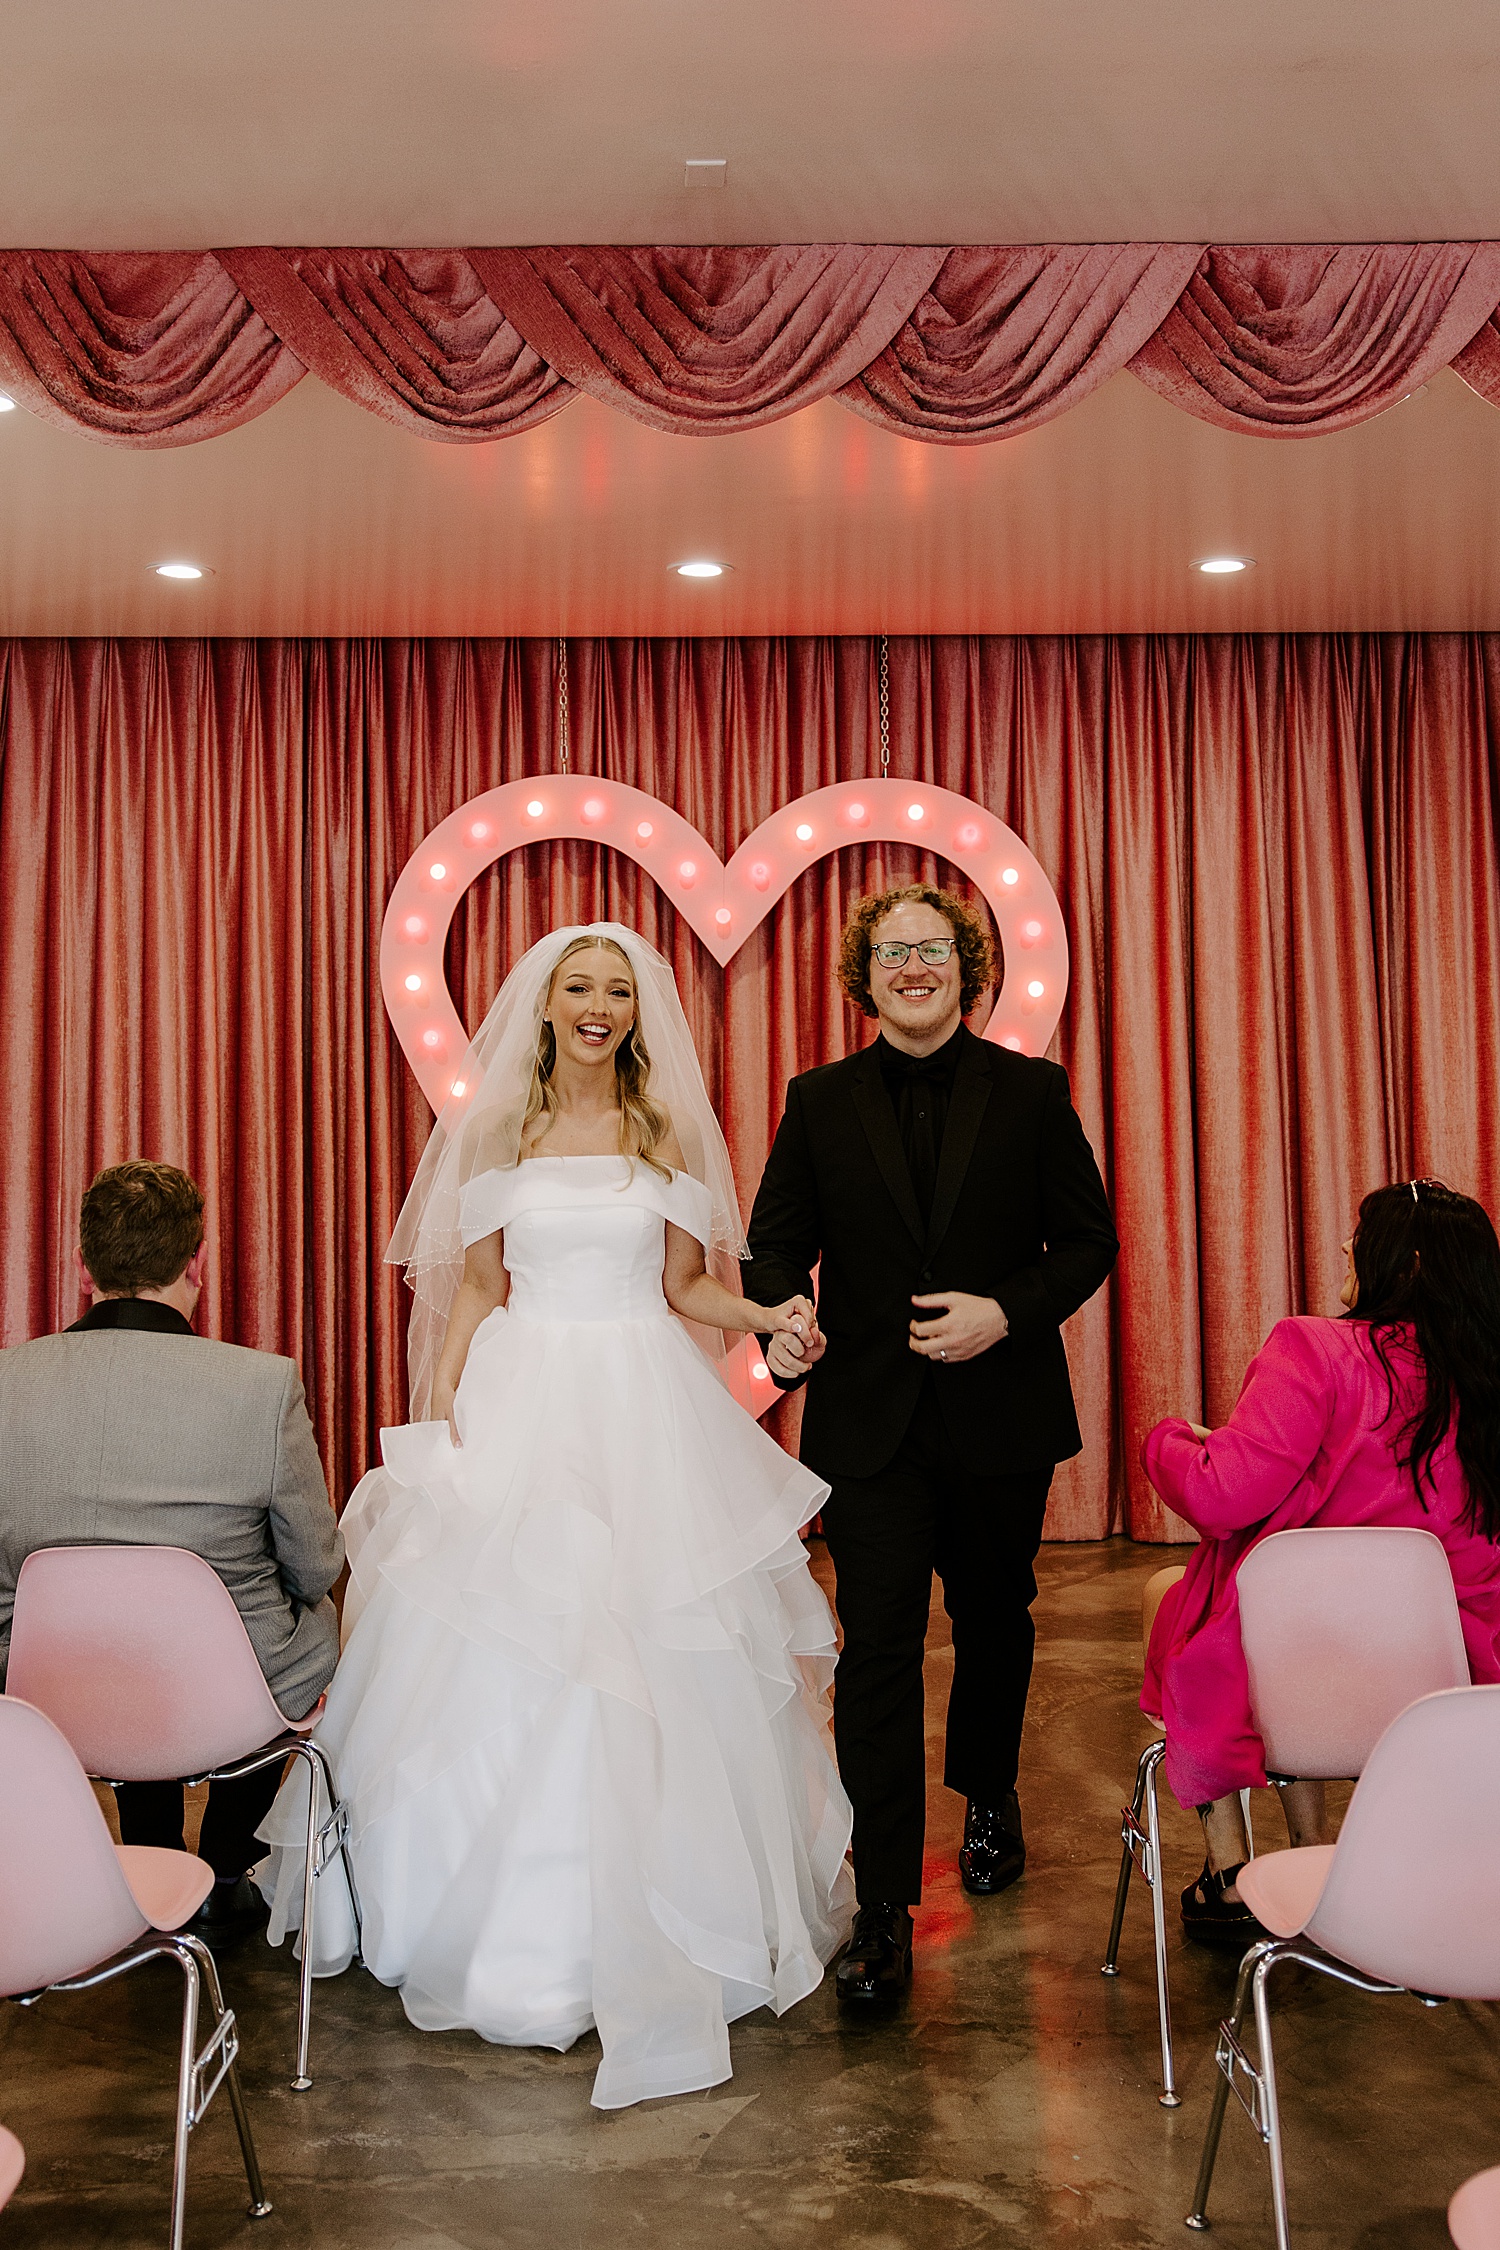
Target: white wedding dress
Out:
[581,1717]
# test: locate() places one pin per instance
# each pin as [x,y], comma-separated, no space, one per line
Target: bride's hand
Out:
[442,1411]
[797,1343]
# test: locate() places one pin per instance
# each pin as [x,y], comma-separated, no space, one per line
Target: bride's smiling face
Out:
[591,1006]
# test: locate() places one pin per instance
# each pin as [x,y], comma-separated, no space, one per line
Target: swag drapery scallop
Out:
[1279,859]
[953,346]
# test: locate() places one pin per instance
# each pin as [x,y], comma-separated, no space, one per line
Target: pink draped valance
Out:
[956,346]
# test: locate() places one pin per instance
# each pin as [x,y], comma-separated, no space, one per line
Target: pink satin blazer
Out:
[1311,1440]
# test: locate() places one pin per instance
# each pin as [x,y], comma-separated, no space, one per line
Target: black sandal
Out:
[1209,1918]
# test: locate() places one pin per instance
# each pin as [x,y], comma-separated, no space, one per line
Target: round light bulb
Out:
[1013,1043]
[969,835]
[432,1039]
[460,1087]
[1032,929]
[644,830]
[914,812]
[687,872]
[1223,566]
[699,569]
[804,833]
[535,808]
[760,875]
[178,570]
[856,812]
[723,917]
[438,871]
[414,926]
[593,809]
[760,1374]
[479,831]
[414,984]
[1036,988]
[1009,875]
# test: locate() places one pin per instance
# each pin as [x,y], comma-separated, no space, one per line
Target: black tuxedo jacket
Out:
[1019,1214]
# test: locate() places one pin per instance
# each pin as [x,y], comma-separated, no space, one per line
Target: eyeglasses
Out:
[934,951]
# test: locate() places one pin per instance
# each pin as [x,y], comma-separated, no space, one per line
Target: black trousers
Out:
[887,1534]
[152,1812]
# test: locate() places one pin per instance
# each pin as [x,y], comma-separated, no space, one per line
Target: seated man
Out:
[129,1430]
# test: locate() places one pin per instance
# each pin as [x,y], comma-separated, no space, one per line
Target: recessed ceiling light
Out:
[1224,566]
[7,405]
[180,570]
[700,569]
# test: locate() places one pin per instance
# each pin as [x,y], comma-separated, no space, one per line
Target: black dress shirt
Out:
[133,1312]
[921,1087]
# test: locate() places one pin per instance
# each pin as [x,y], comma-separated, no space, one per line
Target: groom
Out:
[948,1189]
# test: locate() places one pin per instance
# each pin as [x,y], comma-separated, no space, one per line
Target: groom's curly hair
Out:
[976,951]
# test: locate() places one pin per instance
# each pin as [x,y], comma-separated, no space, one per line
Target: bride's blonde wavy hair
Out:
[643,1125]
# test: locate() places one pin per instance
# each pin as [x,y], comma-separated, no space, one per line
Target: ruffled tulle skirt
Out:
[581,1718]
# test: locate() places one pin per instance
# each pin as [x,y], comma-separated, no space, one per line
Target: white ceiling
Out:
[190,123]
[174,124]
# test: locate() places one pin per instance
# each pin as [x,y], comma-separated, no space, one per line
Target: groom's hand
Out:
[797,1343]
[956,1326]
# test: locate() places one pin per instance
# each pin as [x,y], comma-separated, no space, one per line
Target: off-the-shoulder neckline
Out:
[612,1156]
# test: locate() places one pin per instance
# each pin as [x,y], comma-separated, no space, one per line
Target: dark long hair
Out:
[1427,1258]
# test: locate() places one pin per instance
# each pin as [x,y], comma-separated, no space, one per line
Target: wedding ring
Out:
[941,1353]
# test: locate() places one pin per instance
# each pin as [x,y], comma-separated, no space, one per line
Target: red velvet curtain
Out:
[955,347]
[1279,859]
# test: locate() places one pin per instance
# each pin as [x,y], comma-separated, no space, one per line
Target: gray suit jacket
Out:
[124,1433]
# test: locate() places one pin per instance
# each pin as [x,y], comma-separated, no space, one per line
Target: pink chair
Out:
[1343,1625]
[1420,1914]
[12,2165]
[1474,2213]
[142,1659]
[77,1910]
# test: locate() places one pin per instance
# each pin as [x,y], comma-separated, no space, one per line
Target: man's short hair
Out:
[139,1225]
[976,953]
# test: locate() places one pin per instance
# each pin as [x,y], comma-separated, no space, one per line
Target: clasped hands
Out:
[957,1327]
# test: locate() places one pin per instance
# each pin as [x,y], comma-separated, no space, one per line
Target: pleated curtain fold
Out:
[958,346]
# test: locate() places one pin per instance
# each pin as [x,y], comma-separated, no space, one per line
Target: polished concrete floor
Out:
[1013,2102]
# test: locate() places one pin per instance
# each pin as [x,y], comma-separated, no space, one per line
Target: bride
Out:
[580,1720]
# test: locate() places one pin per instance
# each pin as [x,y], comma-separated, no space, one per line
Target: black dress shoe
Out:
[993,1853]
[1209,1918]
[877,1963]
[228,1909]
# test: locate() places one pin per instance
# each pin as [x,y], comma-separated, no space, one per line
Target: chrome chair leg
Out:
[259,2204]
[1234,2065]
[1141,1843]
[327,1834]
[200,2072]
[1130,1820]
[1169,2097]
[1197,2218]
[1271,2108]
[187,2057]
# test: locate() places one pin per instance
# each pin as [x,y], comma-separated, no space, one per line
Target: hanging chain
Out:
[562,700]
[885,709]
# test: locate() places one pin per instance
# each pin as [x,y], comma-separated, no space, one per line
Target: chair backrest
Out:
[1343,1625]
[140,1656]
[64,1903]
[12,2165]
[1413,1890]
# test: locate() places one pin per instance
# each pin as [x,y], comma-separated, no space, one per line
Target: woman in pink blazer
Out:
[1390,1415]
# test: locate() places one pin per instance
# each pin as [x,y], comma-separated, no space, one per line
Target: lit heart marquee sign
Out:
[721,904]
